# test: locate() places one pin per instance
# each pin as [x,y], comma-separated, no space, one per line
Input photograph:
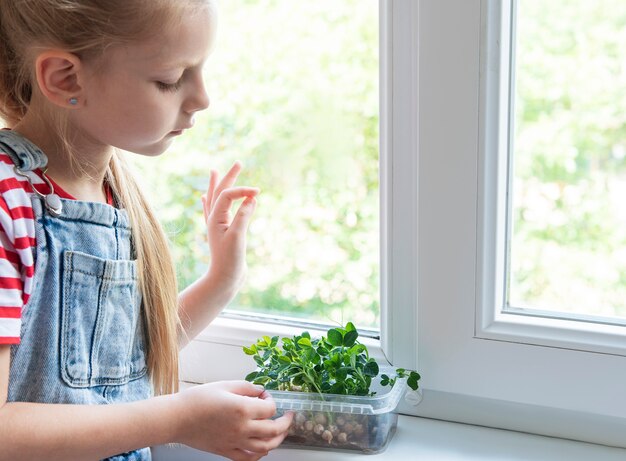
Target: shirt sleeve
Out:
[11,285]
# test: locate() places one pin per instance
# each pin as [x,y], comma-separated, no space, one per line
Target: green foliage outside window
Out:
[294,92]
[569,222]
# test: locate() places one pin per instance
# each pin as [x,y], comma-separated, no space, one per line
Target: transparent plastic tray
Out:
[340,422]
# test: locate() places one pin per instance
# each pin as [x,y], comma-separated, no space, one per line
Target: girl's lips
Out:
[177,132]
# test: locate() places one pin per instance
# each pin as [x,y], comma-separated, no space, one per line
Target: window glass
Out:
[568,178]
[294,97]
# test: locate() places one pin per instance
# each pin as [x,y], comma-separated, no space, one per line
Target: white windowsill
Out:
[427,439]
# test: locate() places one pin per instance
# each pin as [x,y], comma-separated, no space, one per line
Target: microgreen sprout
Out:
[333,364]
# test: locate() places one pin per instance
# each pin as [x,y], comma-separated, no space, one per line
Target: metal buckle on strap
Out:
[51,201]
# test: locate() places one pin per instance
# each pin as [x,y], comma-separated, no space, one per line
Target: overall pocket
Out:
[102,340]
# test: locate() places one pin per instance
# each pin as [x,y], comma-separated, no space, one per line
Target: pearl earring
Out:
[73,101]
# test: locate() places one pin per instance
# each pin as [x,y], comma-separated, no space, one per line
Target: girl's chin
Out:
[155,149]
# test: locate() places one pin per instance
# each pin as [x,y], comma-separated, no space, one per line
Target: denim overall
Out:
[82,338]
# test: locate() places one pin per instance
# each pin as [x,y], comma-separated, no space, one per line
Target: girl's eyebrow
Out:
[163,60]
[179,65]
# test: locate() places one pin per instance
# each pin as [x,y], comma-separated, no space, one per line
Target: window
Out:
[542,131]
[294,97]
[444,133]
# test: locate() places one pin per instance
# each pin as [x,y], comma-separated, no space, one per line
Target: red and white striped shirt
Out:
[17,244]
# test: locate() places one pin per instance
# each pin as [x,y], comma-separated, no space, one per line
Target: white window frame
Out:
[437,202]
[561,384]
[495,171]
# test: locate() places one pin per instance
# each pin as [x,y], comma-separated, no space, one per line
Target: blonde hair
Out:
[87,28]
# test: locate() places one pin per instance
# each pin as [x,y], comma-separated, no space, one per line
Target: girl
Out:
[89,310]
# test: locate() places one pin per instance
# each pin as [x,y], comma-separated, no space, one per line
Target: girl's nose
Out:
[198,98]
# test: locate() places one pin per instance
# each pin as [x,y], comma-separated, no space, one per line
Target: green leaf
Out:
[342,373]
[259,361]
[261,380]
[306,342]
[309,355]
[251,376]
[414,377]
[321,350]
[250,350]
[350,326]
[335,338]
[298,380]
[338,388]
[357,349]
[371,369]
[350,338]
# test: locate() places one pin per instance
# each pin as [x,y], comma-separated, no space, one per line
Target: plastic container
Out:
[342,422]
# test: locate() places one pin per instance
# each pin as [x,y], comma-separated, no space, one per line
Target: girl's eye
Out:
[170,86]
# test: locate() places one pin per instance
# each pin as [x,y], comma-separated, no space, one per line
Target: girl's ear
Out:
[58,77]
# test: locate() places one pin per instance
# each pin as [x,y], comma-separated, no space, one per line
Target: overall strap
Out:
[28,157]
[25,155]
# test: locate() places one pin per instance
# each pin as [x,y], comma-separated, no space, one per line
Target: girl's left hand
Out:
[226,234]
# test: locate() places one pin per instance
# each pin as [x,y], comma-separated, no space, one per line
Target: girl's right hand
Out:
[229,418]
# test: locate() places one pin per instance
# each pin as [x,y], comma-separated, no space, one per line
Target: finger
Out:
[223,204]
[260,410]
[244,214]
[265,445]
[277,434]
[271,428]
[227,181]
[210,193]
[243,388]
[204,208]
